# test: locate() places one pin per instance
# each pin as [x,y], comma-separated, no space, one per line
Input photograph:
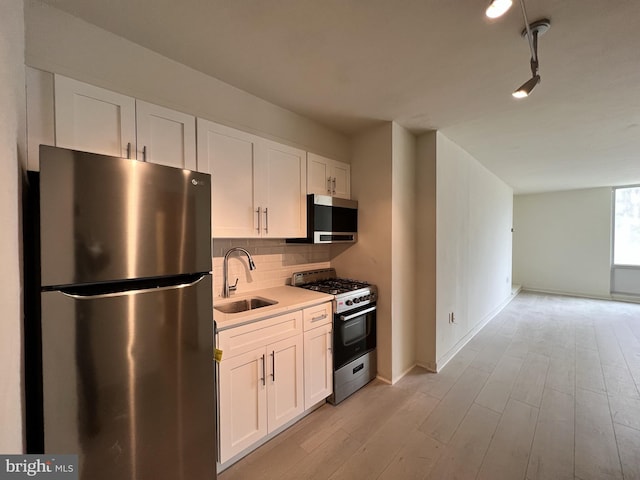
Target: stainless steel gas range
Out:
[354,328]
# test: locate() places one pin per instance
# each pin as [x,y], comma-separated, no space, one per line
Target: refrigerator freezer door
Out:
[128,382]
[106,219]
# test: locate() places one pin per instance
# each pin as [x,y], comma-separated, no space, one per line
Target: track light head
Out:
[497,8]
[527,87]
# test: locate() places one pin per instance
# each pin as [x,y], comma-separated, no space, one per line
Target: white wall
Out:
[403,251]
[562,241]
[425,334]
[60,43]
[370,258]
[383,181]
[12,126]
[468,211]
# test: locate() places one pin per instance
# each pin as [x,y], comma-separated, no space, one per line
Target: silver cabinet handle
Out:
[129,150]
[259,212]
[344,318]
[266,220]
[264,371]
[273,365]
[319,317]
[334,185]
[144,153]
[329,185]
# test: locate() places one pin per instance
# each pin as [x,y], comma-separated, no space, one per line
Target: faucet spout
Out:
[227,289]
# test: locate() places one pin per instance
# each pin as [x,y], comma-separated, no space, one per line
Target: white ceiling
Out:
[426,64]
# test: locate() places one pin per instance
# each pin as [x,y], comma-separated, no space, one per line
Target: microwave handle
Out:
[344,318]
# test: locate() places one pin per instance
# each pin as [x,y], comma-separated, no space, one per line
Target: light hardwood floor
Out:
[549,389]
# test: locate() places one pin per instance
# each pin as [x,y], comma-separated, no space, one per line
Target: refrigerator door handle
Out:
[94,292]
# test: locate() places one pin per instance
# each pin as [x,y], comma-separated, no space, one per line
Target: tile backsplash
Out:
[276,261]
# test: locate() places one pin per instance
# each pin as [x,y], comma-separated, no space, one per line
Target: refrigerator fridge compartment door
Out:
[106,219]
[128,382]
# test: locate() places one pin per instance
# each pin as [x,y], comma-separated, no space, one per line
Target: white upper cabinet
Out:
[258,186]
[282,190]
[93,119]
[96,120]
[229,155]
[165,136]
[328,177]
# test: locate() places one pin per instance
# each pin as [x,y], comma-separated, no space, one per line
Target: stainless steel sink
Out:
[244,305]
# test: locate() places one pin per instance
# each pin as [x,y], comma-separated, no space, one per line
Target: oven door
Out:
[354,334]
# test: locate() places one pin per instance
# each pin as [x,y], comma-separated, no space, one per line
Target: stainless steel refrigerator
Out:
[125,312]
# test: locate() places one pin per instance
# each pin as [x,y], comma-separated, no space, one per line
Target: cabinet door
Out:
[283,190]
[229,155]
[285,381]
[165,136]
[328,177]
[341,180]
[318,365]
[318,176]
[243,402]
[93,119]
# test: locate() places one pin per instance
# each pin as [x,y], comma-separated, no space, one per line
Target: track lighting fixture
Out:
[526,87]
[531,32]
[497,8]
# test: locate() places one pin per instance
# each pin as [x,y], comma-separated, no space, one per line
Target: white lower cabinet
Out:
[272,370]
[260,389]
[318,354]
[243,402]
[285,388]
[318,368]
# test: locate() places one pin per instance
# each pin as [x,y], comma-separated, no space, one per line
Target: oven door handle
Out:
[345,318]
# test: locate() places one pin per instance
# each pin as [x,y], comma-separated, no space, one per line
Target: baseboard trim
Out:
[620,297]
[430,367]
[399,377]
[615,297]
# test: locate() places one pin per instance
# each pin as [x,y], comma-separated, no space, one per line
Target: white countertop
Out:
[288,298]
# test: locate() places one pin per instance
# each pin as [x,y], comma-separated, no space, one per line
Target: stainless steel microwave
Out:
[330,220]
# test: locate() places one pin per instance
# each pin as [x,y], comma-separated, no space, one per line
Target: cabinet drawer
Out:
[317,316]
[245,338]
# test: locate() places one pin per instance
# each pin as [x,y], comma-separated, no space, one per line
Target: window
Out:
[626,233]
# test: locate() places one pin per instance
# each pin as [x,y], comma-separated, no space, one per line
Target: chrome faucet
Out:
[227,289]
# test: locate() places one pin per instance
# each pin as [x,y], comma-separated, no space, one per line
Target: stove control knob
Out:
[363,298]
[349,302]
[356,300]
[366,297]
